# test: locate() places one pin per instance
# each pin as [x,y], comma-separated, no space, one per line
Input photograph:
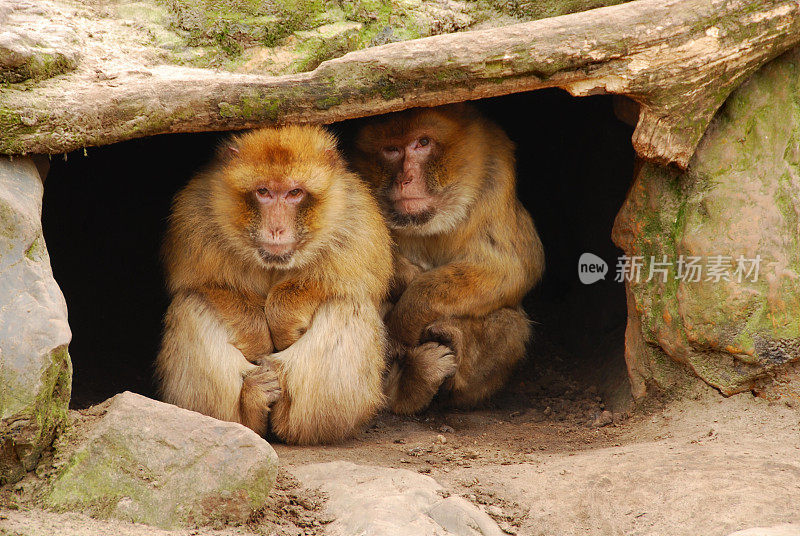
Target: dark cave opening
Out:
[105,213]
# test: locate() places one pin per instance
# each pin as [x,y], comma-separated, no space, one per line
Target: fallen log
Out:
[679,59]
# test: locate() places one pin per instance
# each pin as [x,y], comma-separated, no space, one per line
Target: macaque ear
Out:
[227,151]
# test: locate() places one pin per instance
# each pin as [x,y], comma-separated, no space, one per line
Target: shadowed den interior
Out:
[105,213]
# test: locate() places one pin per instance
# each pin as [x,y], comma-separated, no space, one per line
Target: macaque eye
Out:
[297,192]
[262,192]
[391,151]
[424,141]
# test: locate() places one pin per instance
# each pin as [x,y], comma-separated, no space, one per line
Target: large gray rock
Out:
[150,462]
[738,201]
[380,501]
[35,369]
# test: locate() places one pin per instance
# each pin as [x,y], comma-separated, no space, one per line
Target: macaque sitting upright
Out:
[466,252]
[277,260]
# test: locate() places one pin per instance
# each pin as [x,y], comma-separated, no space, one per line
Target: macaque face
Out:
[411,187]
[414,160]
[276,226]
[273,194]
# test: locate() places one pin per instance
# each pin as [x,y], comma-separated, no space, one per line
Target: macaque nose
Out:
[277,233]
[407,176]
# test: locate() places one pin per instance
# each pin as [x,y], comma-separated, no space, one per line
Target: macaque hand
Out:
[406,321]
[265,379]
[254,345]
[404,273]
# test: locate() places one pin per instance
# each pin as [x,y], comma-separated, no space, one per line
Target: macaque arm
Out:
[457,289]
[405,272]
[290,308]
[245,317]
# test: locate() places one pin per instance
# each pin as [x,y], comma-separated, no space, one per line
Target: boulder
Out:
[35,368]
[368,500]
[736,213]
[149,462]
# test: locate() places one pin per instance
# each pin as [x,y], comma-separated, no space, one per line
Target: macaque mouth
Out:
[413,205]
[407,210]
[405,219]
[277,252]
[272,257]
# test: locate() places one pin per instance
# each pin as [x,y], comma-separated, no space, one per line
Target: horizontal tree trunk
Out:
[679,59]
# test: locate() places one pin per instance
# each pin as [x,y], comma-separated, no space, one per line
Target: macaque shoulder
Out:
[358,262]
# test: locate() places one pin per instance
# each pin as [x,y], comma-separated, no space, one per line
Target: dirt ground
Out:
[542,463]
[543,459]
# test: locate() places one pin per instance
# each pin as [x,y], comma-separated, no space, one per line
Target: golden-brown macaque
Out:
[467,252]
[277,259]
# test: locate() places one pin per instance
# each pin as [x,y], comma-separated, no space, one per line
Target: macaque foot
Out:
[444,333]
[433,362]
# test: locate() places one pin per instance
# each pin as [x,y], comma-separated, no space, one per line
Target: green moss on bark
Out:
[40,66]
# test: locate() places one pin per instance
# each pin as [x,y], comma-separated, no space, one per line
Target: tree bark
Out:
[679,59]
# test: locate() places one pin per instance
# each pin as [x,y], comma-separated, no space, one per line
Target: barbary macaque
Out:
[277,260]
[466,254]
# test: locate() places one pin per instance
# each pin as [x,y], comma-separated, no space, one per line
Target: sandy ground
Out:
[541,460]
[702,465]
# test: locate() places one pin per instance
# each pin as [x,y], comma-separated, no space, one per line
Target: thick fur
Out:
[462,271]
[232,308]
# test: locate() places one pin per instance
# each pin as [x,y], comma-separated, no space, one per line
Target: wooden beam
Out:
[679,59]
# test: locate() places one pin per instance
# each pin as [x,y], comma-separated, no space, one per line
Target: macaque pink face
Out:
[276,231]
[272,194]
[408,161]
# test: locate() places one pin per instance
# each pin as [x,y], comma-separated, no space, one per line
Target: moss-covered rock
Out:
[149,462]
[288,36]
[35,53]
[738,201]
[35,369]
[541,9]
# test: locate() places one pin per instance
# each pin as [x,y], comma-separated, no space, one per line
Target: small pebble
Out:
[441,439]
[414,451]
[446,429]
[604,419]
